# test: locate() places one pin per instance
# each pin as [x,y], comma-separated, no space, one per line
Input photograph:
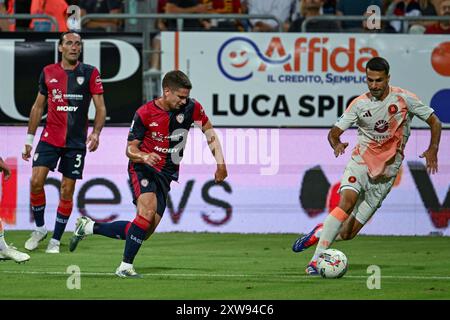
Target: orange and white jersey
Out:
[383,128]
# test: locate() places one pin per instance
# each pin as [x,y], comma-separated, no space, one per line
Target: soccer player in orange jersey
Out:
[383,116]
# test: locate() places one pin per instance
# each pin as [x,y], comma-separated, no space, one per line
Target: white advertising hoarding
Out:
[280,181]
[302,80]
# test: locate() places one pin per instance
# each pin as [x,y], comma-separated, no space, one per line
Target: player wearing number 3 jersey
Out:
[67,88]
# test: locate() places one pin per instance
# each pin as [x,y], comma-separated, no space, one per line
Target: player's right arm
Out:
[35,118]
[335,141]
[135,138]
[348,118]
[138,156]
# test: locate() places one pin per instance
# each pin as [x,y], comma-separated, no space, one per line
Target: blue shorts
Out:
[71,161]
[144,179]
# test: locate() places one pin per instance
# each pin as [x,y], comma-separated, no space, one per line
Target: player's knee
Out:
[36,185]
[348,200]
[66,190]
[66,193]
[148,214]
[346,205]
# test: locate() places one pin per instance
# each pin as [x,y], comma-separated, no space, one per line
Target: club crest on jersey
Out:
[352,179]
[381,126]
[57,95]
[393,109]
[180,118]
[158,136]
[144,183]
[80,80]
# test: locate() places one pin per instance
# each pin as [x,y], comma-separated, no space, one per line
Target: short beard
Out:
[72,61]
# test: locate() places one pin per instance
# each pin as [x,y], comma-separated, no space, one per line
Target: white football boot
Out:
[53,246]
[126,270]
[36,237]
[11,253]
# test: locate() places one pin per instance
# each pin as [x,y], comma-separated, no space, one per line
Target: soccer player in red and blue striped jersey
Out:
[67,88]
[155,148]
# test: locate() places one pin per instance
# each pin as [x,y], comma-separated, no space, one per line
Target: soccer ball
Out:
[332,263]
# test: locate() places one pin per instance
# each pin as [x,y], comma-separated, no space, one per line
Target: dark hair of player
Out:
[378,64]
[175,80]
[61,37]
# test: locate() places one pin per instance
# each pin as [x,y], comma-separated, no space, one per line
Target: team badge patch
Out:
[144,183]
[381,126]
[180,118]
[393,109]
[57,95]
[80,80]
[352,179]
[36,156]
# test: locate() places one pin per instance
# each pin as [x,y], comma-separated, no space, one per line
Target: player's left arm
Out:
[93,140]
[216,150]
[430,154]
[426,113]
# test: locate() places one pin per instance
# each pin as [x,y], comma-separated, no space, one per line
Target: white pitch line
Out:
[212,275]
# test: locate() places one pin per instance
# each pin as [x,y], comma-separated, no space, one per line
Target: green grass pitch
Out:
[229,267]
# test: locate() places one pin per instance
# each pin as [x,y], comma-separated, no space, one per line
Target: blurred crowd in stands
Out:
[291,13]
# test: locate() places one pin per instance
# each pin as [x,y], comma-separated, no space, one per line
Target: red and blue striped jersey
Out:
[165,132]
[69,94]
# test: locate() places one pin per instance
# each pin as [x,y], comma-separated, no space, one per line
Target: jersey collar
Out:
[76,66]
